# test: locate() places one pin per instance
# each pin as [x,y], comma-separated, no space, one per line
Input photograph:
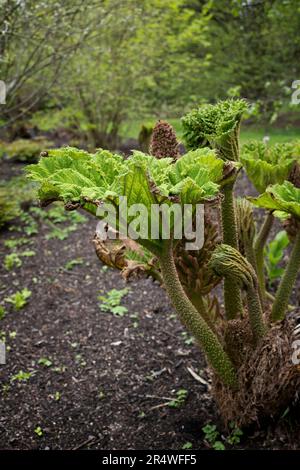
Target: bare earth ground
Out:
[110,377]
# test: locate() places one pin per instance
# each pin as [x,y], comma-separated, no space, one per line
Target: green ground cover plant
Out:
[19,299]
[24,150]
[111,302]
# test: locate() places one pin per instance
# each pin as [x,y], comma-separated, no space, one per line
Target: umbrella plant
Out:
[246,348]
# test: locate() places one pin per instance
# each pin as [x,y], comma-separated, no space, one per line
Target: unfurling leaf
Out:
[283,197]
[217,126]
[267,165]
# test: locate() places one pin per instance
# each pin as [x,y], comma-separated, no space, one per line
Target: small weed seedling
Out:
[72,263]
[5,389]
[22,376]
[27,253]
[134,317]
[58,215]
[181,396]
[77,218]
[55,396]
[19,299]
[16,242]
[187,446]
[212,436]
[235,436]
[38,431]
[80,360]
[61,233]
[59,369]
[44,361]
[31,226]
[12,261]
[188,340]
[111,302]
[38,212]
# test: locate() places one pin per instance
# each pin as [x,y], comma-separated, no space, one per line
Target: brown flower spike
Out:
[164,142]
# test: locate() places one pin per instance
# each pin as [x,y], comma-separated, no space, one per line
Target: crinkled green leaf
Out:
[74,176]
[135,186]
[216,126]
[158,169]
[71,174]
[283,197]
[267,165]
[201,165]
[192,193]
[60,159]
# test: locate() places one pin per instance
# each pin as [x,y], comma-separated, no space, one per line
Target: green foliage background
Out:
[99,66]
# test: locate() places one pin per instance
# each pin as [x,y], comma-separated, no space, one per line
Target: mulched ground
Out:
[110,377]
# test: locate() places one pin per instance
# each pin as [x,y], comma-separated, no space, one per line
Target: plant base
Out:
[268,380]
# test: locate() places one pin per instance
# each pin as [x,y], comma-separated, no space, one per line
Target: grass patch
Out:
[131,130]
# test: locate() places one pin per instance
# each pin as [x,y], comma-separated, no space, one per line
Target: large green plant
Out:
[238,341]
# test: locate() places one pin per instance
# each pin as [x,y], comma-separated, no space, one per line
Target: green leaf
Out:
[274,254]
[283,197]
[267,165]
[74,176]
[218,445]
[216,126]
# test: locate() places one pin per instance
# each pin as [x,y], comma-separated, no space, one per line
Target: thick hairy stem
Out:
[190,317]
[255,314]
[286,285]
[250,255]
[232,293]
[259,246]
[198,302]
[230,236]
[228,262]
[246,232]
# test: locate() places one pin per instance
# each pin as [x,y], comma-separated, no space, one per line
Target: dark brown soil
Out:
[114,375]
